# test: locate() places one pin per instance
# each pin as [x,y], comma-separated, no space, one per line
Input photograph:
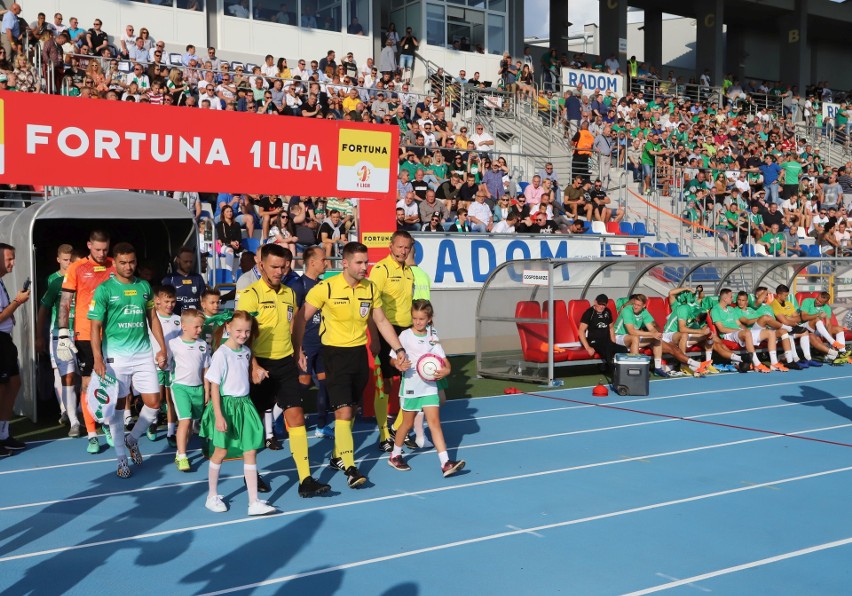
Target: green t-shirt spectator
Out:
[792,172]
[647,158]
[774,243]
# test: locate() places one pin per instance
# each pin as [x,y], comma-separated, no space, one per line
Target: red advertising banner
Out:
[59,141]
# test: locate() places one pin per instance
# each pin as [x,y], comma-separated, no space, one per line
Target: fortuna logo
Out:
[373,149]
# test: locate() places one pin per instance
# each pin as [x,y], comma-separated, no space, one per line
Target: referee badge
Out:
[365,309]
[289,314]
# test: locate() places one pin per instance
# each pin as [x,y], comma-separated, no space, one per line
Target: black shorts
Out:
[607,349]
[280,387]
[85,357]
[8,359]
[347,375]
[789,190]
[389,371]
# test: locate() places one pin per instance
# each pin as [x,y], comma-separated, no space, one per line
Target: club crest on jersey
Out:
[365,309]
[194,290]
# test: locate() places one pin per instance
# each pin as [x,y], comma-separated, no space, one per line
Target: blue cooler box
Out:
[630,374]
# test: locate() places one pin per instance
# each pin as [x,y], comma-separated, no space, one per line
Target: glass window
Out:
[187,4]
[498,5]
[436,33]
[359,17]
[276,11]
[465,28]
[496,34]
[321,15]
[163,3]
[476,3]
[238,8]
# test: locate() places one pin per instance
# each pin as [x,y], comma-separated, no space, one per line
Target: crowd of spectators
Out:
[726,154]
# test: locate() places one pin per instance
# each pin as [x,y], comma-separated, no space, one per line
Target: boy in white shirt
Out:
[190,359]
[164,303]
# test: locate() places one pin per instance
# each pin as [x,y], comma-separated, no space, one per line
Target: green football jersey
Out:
[728,317]
[122,308]
[628,317]
[51,299]
[809,306]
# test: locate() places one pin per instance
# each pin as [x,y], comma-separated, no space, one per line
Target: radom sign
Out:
[58,141]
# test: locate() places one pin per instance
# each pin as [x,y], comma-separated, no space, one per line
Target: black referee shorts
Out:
[8,359]
[347,372]
[389,371]
[280,387]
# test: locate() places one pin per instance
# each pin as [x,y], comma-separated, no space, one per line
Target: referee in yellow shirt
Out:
[394,281]
[347,301]
[274,371]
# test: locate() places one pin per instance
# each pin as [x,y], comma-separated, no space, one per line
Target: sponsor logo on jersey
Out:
[186,282]
[132,310]
[98,268]
[130,292]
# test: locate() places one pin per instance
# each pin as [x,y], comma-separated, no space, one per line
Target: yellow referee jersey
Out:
[275,311]
[788,309]
[345,310]
[395,284]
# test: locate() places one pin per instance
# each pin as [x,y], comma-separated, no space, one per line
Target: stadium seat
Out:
[659,309]
[224,276]
[639,228]
[565,329]
[533,336]
[626,228]
[606,251]
[522,186]
[251,244]
[598,227]
[660,250]
[802,295]
[813,250]
[673,249]
[612,310]
[747,250]
[612,227]
[632,249]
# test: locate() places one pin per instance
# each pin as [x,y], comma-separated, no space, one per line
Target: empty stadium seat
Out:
[598,227]
[606,251]
[563,330]
[533,336]
[612,227]
[747,250]
[673,249]
[251,244]
[522,186]
[659,309]
[626,228]
[224,276]
[813,250]
[660,249]
[632,249]
[639,228]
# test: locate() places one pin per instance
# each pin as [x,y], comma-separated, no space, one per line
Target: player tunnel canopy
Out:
[156,226]
[528,310]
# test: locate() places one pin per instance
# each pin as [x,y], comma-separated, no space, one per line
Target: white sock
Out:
[419,436]
[443,457]
[693,364]
[754,359]
[4,430]
[708,354]
[805,343]
[116,427]
[213,479]
[773,358]
[57,388]
[172,427]
[147,417]
[832,354]
[127,416]
[788,355]
[69,398]
[840,337]
[396,451]
[820,327]
[736,358]
[267,424]
[250,472]
[658,362]
[181,455]
[277,412]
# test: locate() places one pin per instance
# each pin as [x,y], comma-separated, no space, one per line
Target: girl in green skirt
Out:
[230,420]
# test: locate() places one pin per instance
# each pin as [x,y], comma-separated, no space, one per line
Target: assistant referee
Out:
[274,372]
[347,301]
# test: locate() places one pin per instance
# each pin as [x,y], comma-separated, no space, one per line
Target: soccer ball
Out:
[428,366]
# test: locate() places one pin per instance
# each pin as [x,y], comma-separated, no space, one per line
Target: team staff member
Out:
[347,302]
[122,321]
[188,286]
[394,281]
[274,372]
[315,265]
[65,373]
[10,375]
[597,334]
[81,279]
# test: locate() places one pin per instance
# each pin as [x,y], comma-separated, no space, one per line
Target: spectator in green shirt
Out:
[774,242]
[792,172]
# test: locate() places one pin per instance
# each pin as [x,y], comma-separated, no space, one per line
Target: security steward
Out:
[347,302]
[274,372]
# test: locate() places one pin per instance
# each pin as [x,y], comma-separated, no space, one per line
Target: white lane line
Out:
[435,491]
[672,578]
[530,532]
[572,522]
[379,458]
[743,567]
